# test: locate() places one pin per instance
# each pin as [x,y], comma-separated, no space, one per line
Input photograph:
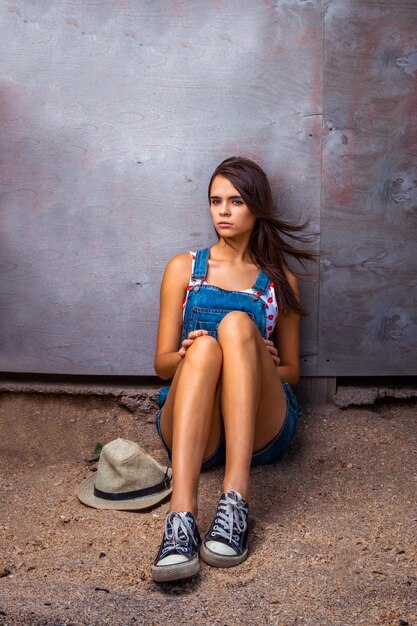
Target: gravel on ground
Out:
[332,539]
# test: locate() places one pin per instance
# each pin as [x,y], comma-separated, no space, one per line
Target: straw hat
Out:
[127,479]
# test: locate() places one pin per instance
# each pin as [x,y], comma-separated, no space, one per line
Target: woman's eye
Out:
[237,202]
[215,202]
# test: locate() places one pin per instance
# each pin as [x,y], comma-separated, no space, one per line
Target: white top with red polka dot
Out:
[269,298]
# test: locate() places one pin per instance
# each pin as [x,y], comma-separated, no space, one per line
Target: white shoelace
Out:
[231,516]
[178,532]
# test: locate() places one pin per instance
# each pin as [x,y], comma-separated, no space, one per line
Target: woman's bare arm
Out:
[287,339]
[173,291]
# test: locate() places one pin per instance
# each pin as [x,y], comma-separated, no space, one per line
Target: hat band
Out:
[131,495]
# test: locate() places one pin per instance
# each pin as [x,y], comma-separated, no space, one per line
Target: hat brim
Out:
[86,495]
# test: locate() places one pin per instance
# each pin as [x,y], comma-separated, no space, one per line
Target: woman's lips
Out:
[224,225]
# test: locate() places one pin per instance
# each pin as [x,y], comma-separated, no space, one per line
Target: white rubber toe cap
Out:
[220,548]
[172,559]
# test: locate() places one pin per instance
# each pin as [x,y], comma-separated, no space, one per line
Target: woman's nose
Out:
[224,209]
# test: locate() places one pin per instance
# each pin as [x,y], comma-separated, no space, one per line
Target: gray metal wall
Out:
[114,115]
[368,282]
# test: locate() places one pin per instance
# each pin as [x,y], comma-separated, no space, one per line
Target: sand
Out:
[332,539]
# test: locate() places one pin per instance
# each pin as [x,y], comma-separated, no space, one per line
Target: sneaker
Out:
[225,544]
[178,555]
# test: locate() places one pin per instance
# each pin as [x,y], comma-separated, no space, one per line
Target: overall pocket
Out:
[209,319]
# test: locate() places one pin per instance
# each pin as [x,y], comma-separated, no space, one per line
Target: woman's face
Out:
[231,216]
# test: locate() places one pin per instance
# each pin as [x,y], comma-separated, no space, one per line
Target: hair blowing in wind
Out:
[268,248]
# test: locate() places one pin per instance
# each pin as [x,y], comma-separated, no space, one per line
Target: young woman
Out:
[228,338]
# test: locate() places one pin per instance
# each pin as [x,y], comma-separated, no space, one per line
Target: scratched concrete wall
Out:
[368,282]
[113,115]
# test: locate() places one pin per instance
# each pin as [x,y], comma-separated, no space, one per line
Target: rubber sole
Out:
[220,560]
[179,571]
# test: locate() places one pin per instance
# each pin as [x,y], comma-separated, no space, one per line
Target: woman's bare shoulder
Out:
[179,267]
[292,279]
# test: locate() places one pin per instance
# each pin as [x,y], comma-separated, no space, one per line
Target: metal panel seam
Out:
[323,12]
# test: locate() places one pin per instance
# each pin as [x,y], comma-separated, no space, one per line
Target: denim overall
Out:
[206,306]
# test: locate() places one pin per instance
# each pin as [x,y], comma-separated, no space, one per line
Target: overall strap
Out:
[201,264]
[261,283]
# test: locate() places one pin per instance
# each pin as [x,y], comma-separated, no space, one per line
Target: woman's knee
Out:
[237,325]
[204,349]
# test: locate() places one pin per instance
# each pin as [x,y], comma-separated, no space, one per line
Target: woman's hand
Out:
[272,351]
[192,336]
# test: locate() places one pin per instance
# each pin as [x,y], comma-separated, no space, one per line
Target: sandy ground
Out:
[333,525]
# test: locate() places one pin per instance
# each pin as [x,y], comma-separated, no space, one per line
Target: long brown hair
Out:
[268,248]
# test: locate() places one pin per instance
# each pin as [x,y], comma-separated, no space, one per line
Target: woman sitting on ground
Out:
[228,338]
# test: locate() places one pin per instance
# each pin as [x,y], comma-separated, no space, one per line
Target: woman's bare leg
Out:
[190,420]
[252,397]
